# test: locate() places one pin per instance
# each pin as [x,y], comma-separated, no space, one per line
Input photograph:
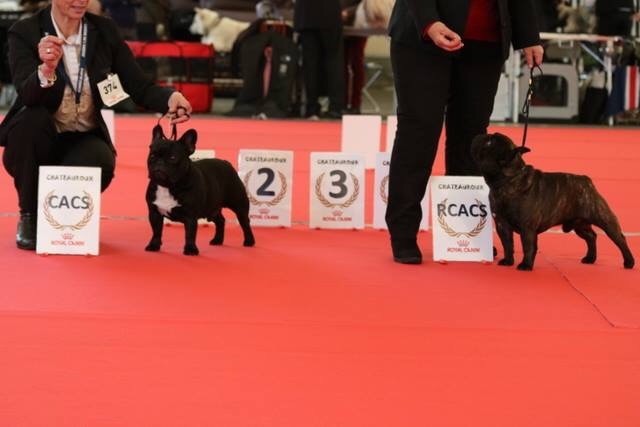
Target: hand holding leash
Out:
[179,108]
[178,116]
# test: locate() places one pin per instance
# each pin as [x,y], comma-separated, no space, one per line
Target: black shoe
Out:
[406,251]
[26,235]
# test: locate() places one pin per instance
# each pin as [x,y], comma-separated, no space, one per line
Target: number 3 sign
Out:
[267,176]
[337,190]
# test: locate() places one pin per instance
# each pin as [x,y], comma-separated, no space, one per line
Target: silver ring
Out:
[48,50]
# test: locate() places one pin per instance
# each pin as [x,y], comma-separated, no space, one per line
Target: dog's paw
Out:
[523,266]
[216,241]
[249,242]
[506,261]
[629,263]
[191,250]
[153,246]
[588,260]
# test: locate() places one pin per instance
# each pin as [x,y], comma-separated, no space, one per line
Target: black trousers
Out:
[322,67]
[427,85]
[33,141]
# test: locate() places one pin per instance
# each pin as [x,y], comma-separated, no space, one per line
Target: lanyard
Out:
[82,71]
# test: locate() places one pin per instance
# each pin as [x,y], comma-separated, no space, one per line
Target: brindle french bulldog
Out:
[528,201]
[184,191]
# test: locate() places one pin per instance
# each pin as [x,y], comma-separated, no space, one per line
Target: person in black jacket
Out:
[57,58]
[319,23]
[446,55]
[615,17]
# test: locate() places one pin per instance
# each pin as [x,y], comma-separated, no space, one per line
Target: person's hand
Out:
[50,54]
[635,17]
[533,55]
[179,108]
[443,37]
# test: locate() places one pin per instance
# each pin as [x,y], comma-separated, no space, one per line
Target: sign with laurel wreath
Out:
[381,194]
[462,226]
[267,177]
[68,210]
[336,191]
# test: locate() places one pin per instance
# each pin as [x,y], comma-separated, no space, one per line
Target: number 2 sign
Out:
[267,177]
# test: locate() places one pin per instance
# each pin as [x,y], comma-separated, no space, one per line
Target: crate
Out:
[186,66]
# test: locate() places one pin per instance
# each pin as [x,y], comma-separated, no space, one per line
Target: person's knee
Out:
[107,175]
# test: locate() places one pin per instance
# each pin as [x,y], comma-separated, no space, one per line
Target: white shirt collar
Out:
[73,39]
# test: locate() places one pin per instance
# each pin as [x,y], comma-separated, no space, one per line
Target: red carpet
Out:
[318,327]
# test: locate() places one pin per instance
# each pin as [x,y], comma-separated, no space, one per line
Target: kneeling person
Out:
[57,59]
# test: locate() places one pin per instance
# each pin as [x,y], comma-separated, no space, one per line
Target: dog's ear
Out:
[480,138]
[189,139]
[477,142]
[514,153]
[502,137]
[157,133]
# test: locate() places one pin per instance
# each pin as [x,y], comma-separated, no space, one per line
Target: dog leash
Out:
[174,127]
[527,102]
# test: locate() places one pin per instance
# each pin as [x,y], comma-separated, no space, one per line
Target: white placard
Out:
[111,90]
[361,134]
[268,178]
[68,210]
[203,154]
[392,126]
[381,194]
[462,222]
[110,120]
[337,190]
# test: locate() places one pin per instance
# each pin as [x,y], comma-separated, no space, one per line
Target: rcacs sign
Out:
[462,225]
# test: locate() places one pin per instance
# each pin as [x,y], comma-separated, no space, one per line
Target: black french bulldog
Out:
[528,201]
[184,191]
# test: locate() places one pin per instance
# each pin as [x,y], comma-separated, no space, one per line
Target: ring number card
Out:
[111,90]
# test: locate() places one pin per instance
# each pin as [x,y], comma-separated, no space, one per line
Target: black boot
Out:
[406,251]
[26,235]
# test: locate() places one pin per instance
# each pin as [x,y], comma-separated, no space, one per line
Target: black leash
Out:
[527,102]
[172,115]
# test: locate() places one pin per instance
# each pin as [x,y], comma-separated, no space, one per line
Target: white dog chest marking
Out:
[164,200]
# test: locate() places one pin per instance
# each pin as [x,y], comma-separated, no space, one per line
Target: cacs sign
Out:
[68,210]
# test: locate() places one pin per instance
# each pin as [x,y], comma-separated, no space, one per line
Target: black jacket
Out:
[317,14]
[410,17]
[605,7]
[106,53]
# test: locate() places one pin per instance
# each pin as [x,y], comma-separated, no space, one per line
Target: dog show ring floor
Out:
[320,327]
